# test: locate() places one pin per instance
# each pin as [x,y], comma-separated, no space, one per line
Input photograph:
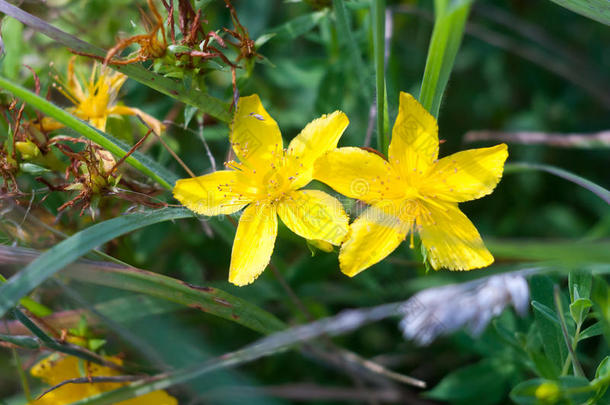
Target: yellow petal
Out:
[414,145]
[318,137]
[450,239]
[466,175]
[357,173]
[48,124]
[73,84]
[313,214]
[372,237]
[321,245]
[253,245]
[255,136]
[217,193]
[152,398]
[99,123]
[151,121]
[57,368]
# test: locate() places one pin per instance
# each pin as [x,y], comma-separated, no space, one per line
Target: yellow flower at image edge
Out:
[96,100]
[267,181]
[56,368]
[413,191]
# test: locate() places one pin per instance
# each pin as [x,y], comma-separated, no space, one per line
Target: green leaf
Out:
[598,10]
[546,312]
[580,283]
[449,22]
[33,169]
[294,28]
[76,246]
[525,392]
[27,342]
[484,382]
[118,148]
[172,88]
[594,330]
[579,309]
[598,190]
[543,365]
[572,388]
[603,370]
[547,321]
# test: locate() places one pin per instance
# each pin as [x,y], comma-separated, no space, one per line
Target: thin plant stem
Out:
[22,377]
[378,13]
[577,367]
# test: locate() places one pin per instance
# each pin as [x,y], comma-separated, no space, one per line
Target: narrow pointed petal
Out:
[313,214]
[99,123]
[73,83]
[372,237]
[217,193]
[414,145]
[451,240]
[255,136]
[253,245]
[151,121]
[357,173]
[318,137]
[466,175]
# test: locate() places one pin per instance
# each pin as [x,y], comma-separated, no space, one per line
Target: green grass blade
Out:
[447,34]
[118,148]
[294,28]
[596,189]
[598,10]
[76,246]
[207,299]
[378,14]
[171,290]
[206,103]
[568,252]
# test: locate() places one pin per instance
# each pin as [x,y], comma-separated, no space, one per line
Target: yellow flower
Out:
[413,191]
[267,180]
[56,368]
[95,100]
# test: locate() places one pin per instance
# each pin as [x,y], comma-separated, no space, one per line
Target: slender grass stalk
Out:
[596,189]
[22,377]
[378,14]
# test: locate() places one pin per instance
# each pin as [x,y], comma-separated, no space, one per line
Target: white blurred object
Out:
[442,310]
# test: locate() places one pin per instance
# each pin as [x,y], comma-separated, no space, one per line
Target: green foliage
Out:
[511,67]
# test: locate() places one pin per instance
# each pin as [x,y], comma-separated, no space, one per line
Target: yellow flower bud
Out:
[548,392]
[28,150]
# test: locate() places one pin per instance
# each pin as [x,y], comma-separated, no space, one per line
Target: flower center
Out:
[276,184]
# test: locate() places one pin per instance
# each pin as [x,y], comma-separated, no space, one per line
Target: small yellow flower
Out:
[267,180]
[413,191]
[96,100]
[56,368]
